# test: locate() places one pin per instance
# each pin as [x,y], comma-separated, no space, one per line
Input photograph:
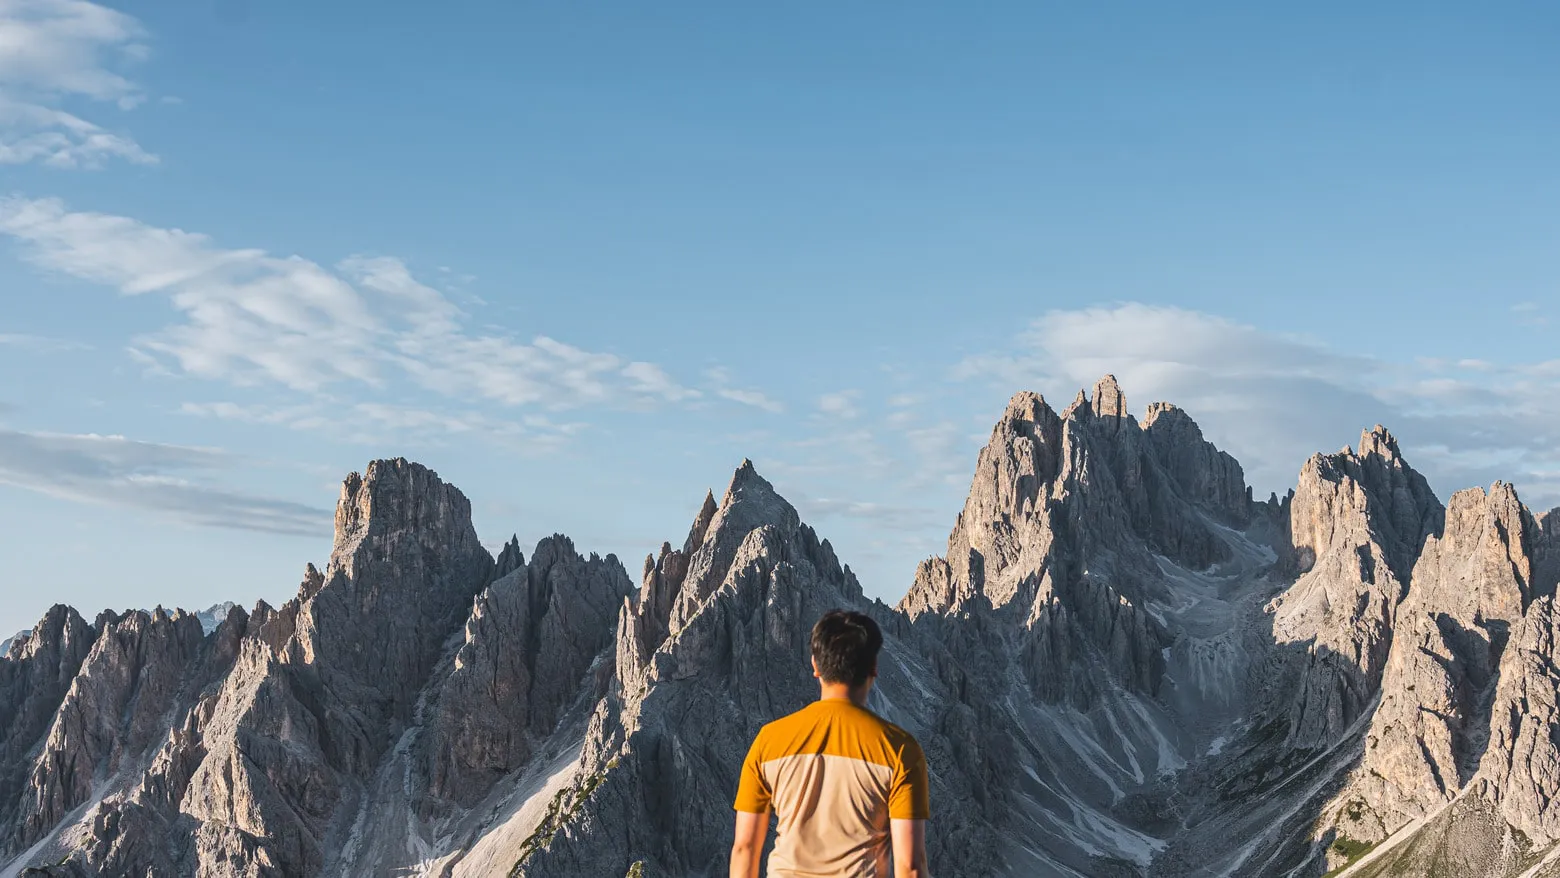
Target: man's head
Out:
[845,648]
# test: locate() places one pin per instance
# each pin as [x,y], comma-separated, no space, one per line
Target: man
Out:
[845,784]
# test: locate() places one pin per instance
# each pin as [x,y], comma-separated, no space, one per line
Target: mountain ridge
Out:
[1122,665]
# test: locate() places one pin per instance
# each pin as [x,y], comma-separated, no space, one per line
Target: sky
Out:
[582,260]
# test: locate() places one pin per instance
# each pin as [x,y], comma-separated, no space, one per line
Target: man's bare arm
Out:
[747,846]
[909,848]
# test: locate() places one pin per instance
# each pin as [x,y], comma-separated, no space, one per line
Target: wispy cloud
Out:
[840,405]
[1530,314]
[721,379]
[115,471]
[40,343]
[250,318]
[1273,400]
[369,423]
[57,50]
[885,515]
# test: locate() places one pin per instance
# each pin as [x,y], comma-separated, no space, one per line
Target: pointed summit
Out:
[1373,491]
[510,559]
[1378,441]
[1079,407]
[405,567]
[1026,405]
[753,527]
[1109,401]
[701,523]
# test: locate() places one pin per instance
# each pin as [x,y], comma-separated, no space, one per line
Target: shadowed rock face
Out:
[529,641]
[1122,666]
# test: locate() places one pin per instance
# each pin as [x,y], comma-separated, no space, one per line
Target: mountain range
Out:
[1122,664]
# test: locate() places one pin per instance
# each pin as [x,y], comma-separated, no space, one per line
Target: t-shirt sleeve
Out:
[909,794]
[753,792]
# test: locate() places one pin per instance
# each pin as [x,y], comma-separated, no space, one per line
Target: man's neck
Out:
[856,695]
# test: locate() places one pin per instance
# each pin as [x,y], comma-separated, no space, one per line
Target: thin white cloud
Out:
[756,399]
[1530,314]
[885,515]
[53,51]
[115,471]
[40,343]
[652,380]
[721,380]
[250,318]
[1273,400]
[380,424]
[840,405]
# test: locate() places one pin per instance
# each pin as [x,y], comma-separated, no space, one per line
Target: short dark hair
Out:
[845,645]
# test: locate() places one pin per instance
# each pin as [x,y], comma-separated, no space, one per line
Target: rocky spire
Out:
[529,640]
[1005,522]
[341,665]
[510,559]
[34,680]
[405,567]
[1470,589]
[113,714]
[1519,768]
[1357,524]
[1110,404]
[750,502]
[701,522]
[1205,475]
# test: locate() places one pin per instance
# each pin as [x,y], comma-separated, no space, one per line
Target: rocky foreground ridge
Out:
[1122,665]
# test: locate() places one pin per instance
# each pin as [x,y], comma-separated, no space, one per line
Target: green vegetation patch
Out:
[563,808]
[1350,850]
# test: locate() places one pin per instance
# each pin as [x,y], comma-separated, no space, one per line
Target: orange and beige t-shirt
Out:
[835,774]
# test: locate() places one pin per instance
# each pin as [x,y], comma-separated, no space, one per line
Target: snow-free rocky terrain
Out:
[1121,666]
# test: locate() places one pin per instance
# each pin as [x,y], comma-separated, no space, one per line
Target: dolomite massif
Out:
[1121,665]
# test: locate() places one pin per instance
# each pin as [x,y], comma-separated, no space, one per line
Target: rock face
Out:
[1356,522]
[1064,528]
[1471,586]
[1121,666]
[529,641]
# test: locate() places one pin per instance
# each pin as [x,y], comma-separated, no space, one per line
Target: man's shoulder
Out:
[805,716]
[786,726]
[899,738]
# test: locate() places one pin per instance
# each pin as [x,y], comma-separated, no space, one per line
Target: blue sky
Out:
[583,261]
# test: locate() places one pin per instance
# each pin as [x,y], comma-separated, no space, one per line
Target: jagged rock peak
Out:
[312,580]
[1497,540]
[1470,587]
[1079,407]
[752,524]
[1109,401]
[394,495]
[1206,474]
[701,522]
[1167,410]
[1379,441]
[406,565]
[510,558]
[753,500]
[1026,405]
[1376,491]
[751,503]
[61,627]
[529,640]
